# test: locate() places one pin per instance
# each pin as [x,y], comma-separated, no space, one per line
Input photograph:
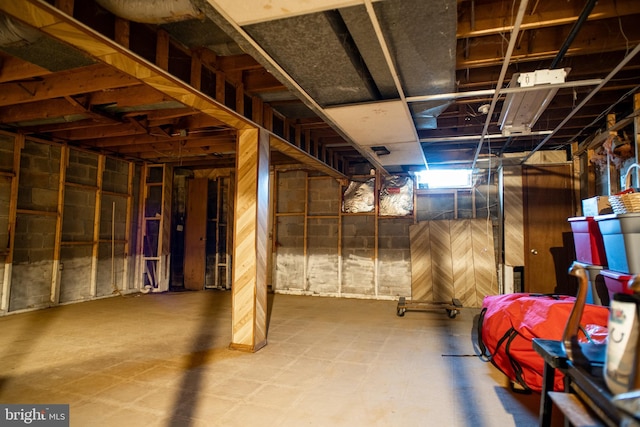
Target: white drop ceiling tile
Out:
[245,12]
[377,123]
[405,153]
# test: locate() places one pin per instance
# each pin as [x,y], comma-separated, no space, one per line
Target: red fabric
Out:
[532,316]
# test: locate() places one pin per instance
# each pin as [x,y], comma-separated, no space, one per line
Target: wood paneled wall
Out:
[453,259]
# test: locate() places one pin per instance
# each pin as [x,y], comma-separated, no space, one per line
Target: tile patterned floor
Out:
[163,360]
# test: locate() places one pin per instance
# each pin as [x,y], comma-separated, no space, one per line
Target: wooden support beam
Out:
[122,32]
[93,280]
[162,49]
[91,78]
[251,221]
[18,145]
[55,273]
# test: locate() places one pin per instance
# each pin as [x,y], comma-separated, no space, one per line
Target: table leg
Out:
[546,405]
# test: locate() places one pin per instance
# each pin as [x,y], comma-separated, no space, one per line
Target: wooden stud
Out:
[55,274]
[127,228]
[18,145]
[305,233]
[240,98]
[122,32]
[196,70]
[220,87]
[96,227]
[162,49]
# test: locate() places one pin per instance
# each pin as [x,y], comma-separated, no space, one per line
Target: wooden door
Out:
[195,234]
[548,203]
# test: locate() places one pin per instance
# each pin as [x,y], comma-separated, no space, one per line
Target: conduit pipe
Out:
[503,72]
[595,90]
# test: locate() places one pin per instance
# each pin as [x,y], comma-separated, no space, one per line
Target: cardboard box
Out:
[598,205]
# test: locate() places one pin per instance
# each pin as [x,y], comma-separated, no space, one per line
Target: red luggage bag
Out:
[508,323]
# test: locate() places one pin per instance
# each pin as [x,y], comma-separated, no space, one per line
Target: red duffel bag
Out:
[508,323]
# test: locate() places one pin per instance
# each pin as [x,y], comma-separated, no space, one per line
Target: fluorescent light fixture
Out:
[522,109]
[444,178]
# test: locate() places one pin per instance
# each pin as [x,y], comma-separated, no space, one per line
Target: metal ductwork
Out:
[15,34]
[31,45]
[152,11]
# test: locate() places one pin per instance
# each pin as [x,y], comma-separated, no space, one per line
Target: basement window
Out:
[444,178]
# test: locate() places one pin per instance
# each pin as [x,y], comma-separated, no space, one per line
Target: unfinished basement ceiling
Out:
[331,79]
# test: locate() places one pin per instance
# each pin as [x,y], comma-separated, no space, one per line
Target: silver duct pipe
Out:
[152,11]
[13,33]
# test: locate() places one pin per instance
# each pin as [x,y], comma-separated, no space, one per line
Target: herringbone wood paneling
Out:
[441,260]
[420,262]
[452,259]
[484,261]
[513,217]
[462,262]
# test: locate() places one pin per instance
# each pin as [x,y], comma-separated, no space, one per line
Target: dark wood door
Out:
[548,203]
[195,235]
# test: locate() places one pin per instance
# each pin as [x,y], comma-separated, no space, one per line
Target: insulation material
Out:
[359,197]
[152,11]
[396,196]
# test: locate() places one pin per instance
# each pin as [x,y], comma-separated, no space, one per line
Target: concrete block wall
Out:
[291,192]
[289,260]
[75,276]
[33,250]
[83,269]
[77,221]
[335,254]
[32,262]
[324,196]
[110,269]
[322,276]
[82,168]
[358,255]
[39,177]
[115,177]
[394,257]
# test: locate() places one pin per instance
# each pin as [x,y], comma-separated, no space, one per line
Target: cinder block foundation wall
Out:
[318,250]
[66,224]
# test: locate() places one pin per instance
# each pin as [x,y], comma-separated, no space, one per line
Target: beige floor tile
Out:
[328,362]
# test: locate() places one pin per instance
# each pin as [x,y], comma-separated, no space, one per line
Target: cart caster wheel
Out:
[400,312]
[452,313]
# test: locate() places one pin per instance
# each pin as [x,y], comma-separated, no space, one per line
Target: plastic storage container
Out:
[616,282]
[621,237]
[588,240]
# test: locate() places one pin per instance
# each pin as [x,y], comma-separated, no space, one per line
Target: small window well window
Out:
[444,178]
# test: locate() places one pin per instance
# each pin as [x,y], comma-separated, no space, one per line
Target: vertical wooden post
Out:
[127,229]
[249,290]
[18,145]
[55,275]
[96,227]
[162,49]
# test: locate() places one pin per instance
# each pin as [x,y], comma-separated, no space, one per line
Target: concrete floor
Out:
[162,360]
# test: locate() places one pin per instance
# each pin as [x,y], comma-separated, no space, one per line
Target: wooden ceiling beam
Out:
[256,81]
[67,83]
[12,68]
[490,17]
[594,38]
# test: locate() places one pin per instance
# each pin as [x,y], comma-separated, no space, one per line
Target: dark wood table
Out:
[586,382]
